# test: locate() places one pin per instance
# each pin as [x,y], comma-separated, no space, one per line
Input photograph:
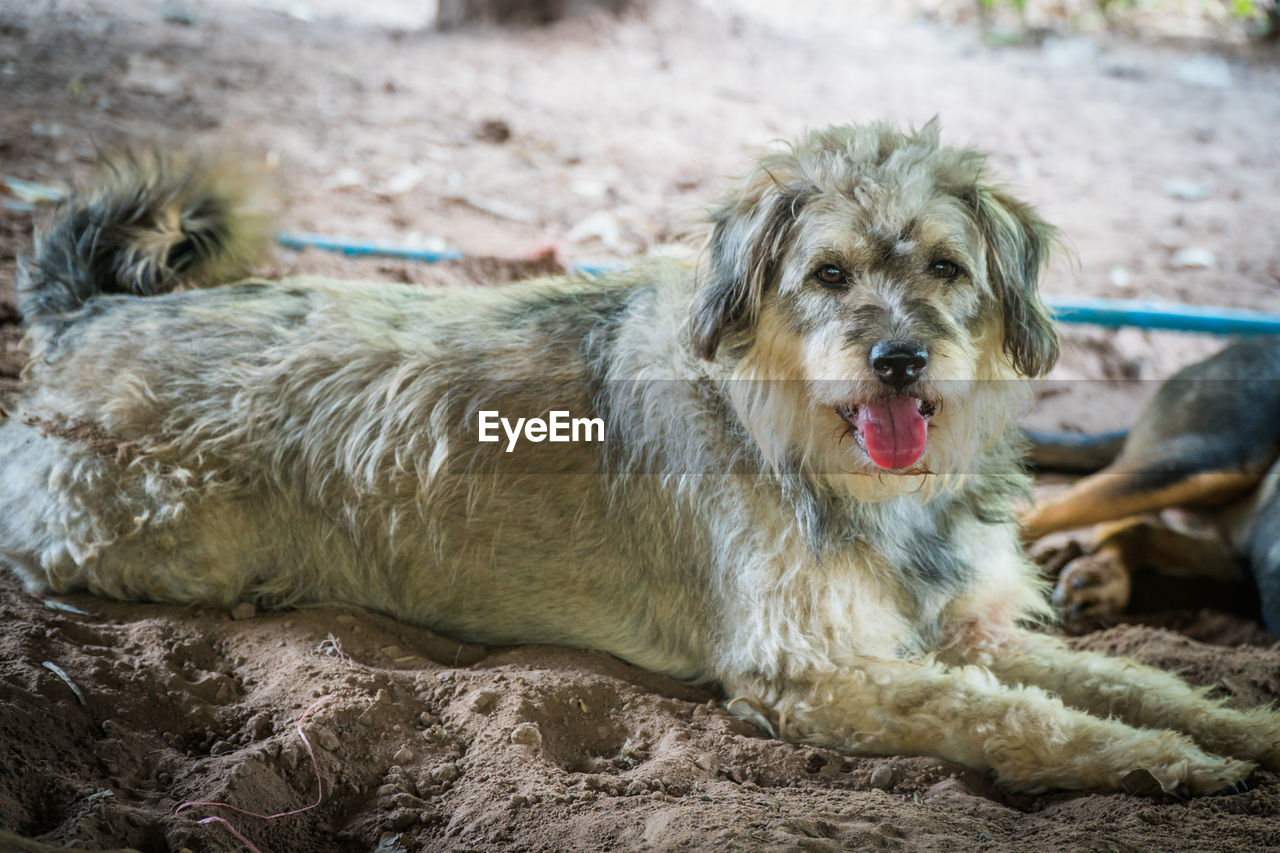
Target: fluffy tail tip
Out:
[148,224]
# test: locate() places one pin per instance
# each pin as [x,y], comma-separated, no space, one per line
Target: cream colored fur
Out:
[310,440]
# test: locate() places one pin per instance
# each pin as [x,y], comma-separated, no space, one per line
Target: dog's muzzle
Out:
[894,430]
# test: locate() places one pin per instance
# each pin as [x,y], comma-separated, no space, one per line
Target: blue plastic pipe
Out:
[352,247]
[1170,316]
[1163,315]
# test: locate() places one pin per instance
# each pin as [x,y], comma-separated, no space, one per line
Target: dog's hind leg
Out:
[49,488]
[1140,695]
[1206,439]
[1130,488]
[1030,739]
[78,517]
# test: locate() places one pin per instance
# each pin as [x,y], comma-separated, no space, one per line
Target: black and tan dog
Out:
[803,495]
[1208,442]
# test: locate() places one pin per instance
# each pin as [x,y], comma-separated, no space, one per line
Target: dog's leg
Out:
[1101,580]
[1206,439]
[1140,695]
[58,499]
[79,518]
[1121,491]
[1031,740]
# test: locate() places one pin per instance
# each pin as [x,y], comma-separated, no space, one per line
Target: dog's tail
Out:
[1074,453]
[147,225]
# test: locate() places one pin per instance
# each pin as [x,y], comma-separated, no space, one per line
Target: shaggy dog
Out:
[802,494]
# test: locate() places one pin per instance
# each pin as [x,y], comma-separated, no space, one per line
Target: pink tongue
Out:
[894,431]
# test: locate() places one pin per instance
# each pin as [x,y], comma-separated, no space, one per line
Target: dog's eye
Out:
[945,270]
[831,276]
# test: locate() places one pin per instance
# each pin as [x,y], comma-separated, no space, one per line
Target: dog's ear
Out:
[748,239]
[1018,243]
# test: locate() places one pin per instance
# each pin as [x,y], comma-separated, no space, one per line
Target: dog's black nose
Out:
[898,363]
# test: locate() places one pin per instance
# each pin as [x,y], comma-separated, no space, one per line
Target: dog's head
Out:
[879,300]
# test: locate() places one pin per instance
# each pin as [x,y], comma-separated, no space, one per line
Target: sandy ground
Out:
[602,138]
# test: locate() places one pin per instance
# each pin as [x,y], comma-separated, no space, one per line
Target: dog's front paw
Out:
[1094,584]
[1053,556]
[1226,775]
[1166,761]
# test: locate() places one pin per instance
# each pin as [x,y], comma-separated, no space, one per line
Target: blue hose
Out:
[351,247]
[1163,315]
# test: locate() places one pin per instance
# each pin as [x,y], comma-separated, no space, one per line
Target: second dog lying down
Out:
[1208,443]
[803,495]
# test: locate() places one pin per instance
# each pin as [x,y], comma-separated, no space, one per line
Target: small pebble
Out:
[1187,190]
[882,777]
[493,130]
[1119,277]
[1192,259]
[326,739]
[483,701]
[1141,783]
[403,756]
[390,842]
[445,772]
[527,734]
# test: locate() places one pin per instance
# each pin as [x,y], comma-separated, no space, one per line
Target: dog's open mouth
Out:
[893,432]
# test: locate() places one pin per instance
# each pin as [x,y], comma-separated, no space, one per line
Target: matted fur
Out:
[310,440]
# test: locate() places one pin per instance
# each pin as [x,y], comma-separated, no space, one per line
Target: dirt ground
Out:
[601,138]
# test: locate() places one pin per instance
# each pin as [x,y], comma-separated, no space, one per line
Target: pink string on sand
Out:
[319,789]
[231,829]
